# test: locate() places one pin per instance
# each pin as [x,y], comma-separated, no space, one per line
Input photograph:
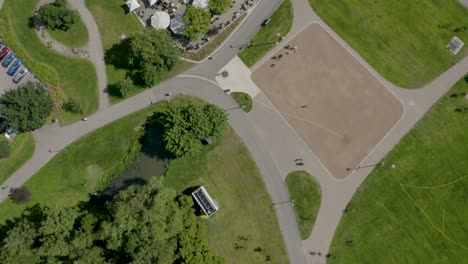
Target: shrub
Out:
[20,195]
[57,15]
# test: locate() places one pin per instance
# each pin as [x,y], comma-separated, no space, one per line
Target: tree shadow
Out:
[466,78]
[152,141]
[118,55]
[125,9]
[108,193]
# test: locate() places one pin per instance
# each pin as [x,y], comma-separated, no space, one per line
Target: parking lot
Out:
[6,81]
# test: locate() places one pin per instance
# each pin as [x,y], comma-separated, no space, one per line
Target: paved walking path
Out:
[285,145]
[95,50]
[270,139]
[92,51]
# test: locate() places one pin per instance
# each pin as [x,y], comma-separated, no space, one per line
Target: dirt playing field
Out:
[338,108]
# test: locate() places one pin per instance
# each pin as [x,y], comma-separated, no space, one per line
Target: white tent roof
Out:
[160,20]
[152,2]
[200,3]
[177,25]
[132,5]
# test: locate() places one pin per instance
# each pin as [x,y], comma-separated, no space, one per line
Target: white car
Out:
[20,75]
[10,133]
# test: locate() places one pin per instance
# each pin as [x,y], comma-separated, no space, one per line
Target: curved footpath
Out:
[93,50]
[271,141]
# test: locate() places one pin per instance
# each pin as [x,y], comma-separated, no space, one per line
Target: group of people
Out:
[279,57]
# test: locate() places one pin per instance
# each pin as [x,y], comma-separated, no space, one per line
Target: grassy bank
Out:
[113,21]
[305,192]
[406,41]
[244,100]
[415,213]
[22,149]
[264,40]
[75,77]
[225,168]
[75,37]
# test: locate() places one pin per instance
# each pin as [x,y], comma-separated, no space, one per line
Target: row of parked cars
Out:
[15,66]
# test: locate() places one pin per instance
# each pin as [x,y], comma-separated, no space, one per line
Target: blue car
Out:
[16,65]
[8,59]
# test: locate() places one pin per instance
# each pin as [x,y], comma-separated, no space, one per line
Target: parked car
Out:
[3,52]
[13,68]
[20,75]
[1,43]
[8,59]
[10,133]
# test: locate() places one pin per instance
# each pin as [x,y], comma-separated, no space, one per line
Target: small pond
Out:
[138,172]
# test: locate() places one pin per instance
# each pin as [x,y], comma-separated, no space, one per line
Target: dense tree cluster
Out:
[143,224]
[220,6]
[152,53]
[184,127]
[58,15]
[26,108]
[197,22]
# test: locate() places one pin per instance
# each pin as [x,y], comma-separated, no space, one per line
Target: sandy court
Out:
[338,108]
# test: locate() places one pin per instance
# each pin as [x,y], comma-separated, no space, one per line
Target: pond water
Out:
[138,173]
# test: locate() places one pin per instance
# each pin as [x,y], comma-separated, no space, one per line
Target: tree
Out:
[220,6]
[20,195]
[124,86]
[58,15]
[5,149]
[185,126]
[152,53]
[197,22]
[27,107]
[142,224]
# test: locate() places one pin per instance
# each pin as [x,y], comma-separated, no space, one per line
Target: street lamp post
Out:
[234,108]
[290,201]
[368,166]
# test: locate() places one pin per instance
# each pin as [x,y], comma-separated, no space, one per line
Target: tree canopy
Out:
[27,107]
[185,126]
[143,224]
[197,22]
[58,15]
[152,53]
[220,6]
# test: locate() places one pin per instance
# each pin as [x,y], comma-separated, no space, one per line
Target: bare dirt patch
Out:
[333,102]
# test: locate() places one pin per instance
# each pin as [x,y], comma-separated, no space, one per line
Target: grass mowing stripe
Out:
[76,77]
[385,223]
[264,40]
[406,41]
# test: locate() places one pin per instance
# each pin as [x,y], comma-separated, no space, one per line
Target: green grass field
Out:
[244,100]
[404,40]
[415,213]
[22,149]
[264,40]
[76,77]
[306,193]
[113,21]
[225,168]
[75,37]
[233,180]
